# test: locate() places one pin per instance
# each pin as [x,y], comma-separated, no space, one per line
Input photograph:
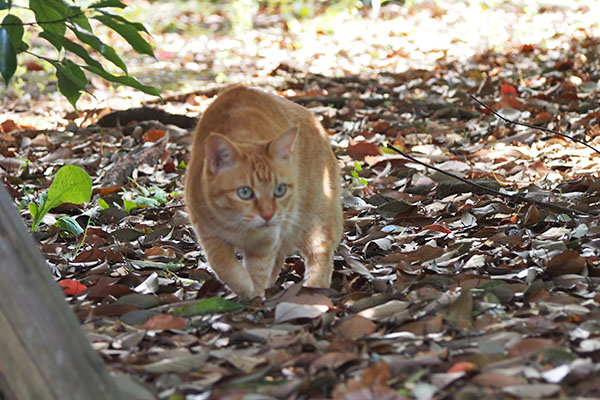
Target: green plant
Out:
[68,224]
[140,197]
[357,178]
[67,28]
[71,184]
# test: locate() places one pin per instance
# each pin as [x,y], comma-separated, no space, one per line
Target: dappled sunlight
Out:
[327,183]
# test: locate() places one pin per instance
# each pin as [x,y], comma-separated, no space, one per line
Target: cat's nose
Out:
[266,216]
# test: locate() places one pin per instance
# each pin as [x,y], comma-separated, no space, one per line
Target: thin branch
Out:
[541,128]
[57,21]
[41,57]
[515,197]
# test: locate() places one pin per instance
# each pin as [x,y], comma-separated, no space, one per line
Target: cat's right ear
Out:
[220,152]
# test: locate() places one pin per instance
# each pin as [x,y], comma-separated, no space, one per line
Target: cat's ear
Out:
[281,148]
[220,152]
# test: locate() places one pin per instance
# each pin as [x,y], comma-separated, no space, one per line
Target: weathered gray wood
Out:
[44,354]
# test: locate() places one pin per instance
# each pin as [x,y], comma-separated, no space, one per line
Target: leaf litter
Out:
[440,289]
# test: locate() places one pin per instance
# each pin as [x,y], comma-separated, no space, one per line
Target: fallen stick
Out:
[541,128]
[515,197]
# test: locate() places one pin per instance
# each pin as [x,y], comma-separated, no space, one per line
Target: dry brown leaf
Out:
[530,346]
[153,135]
[359,150]
[568,262]
[495,380]
[355,327]
[159,252]
[333,360]
[164,321]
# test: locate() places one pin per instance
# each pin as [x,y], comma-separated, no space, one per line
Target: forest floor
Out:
[441,289]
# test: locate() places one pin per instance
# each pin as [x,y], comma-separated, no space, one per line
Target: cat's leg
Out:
[318,257]
[319,267]
[319,244]
[260,269]
[224,262]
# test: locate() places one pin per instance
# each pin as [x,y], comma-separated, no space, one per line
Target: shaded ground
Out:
[440,289]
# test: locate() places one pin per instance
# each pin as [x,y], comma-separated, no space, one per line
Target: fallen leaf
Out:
[153,135]
[100,291]
[164,321]
[463,366]
[355,327]
[160,252]
[386,310]
[72,287]
[568,262]
[359,150]
[495,380]
[530,346]
[286,311]
[508,90]
[213,305]
[333,360]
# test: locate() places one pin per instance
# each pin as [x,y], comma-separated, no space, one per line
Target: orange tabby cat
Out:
[263,182]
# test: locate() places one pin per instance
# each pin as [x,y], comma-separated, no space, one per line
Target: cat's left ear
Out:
[282,147]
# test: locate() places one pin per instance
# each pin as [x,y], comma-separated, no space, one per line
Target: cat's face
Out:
[250,185]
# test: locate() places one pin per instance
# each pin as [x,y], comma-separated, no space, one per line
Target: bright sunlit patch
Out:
[326,185]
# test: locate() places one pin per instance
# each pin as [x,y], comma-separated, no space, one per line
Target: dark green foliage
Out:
[55,18]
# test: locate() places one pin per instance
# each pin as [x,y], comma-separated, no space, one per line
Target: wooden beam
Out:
[44,354]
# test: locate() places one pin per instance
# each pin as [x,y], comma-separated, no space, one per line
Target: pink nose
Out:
[267,217]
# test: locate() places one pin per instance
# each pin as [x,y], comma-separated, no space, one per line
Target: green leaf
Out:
[182,165]
[123,80]
[70,225]
[107,51]
[129,205]
[4,5]
[80,19]
[81,52]
[146,202]
[33,209]
[160,195]
[71,184]
[8,56]
[40,211]
[208,306]
[107,3]
[55,40]
[50,15]
[71,80]
[14,27]
[103,204]
[139,26]
[129,32]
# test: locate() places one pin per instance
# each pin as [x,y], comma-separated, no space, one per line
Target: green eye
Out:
[245,193]
[280,190]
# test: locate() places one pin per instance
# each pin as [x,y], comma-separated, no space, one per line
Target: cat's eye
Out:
[280,190]
[245,193]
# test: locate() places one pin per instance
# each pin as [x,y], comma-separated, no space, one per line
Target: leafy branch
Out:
[55,18]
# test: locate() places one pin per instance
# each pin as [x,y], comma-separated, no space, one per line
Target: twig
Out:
[56,21]
[515,197]
[541,128]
